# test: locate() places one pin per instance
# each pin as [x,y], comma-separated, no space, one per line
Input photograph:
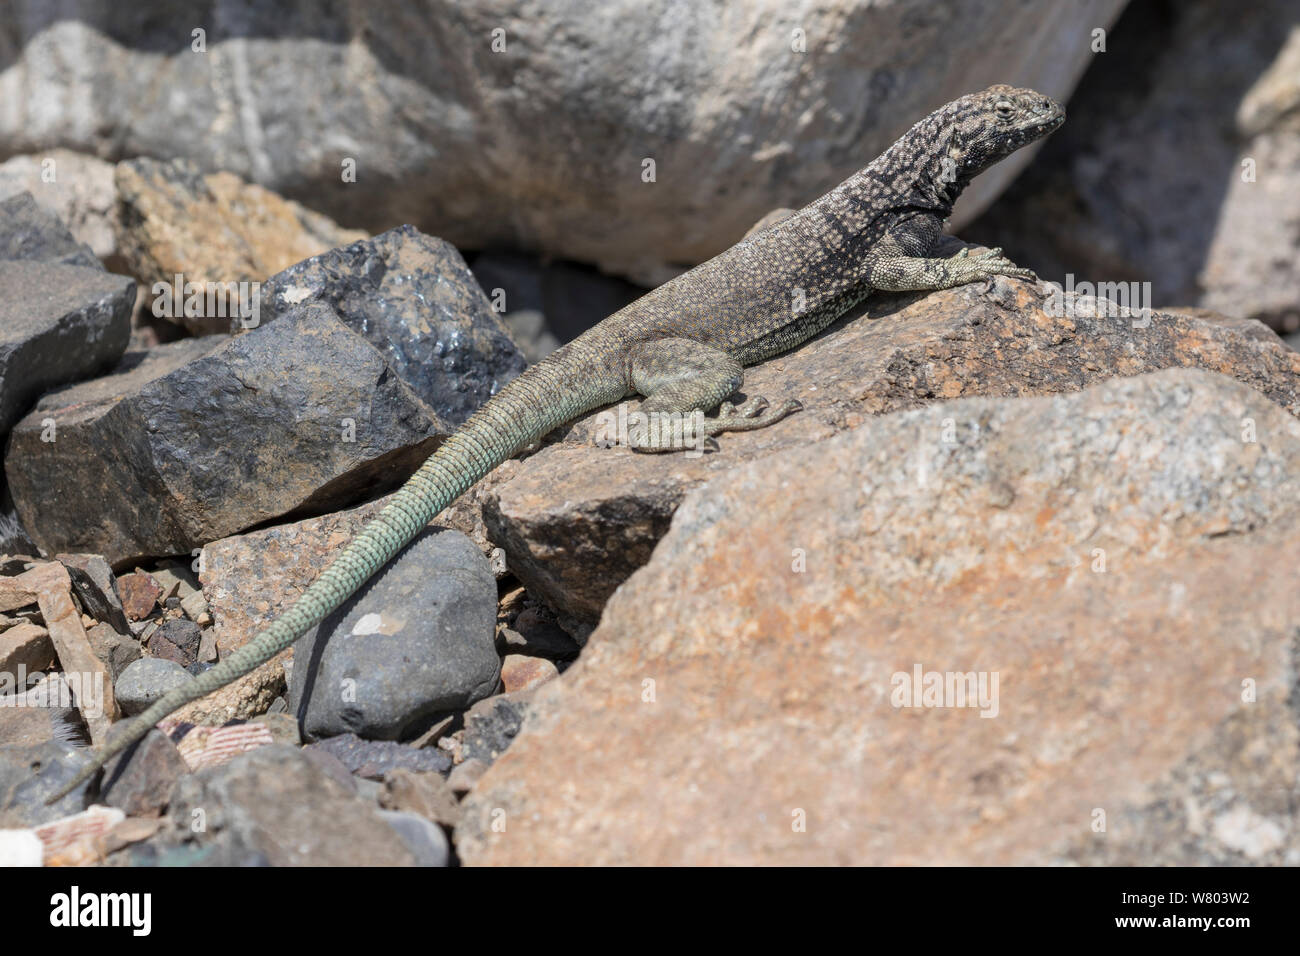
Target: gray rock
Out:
[158,458]
[413,298]
[30,775]
[491,725]
[77,189]
[117,651]
[426,841]
[417,639]
[539,145]
[96,587]
[176,639]
[58,324]
[140,780]
[275,806]
[375,759]
[31,233]
[146,681]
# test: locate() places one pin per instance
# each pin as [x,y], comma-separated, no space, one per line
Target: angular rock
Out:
[491,725]
[58,324]
[34,234]
[425,840]
[96,588]
[176,640]
[146,681]
[274,806]
[414,641]
[413,298]
[140,593]
[427,794]
[25,645]
[302,409]
[520,672]
[378,117]
[115,650]
[577,520]
[1120,560]
[30,775]
[140,780]
[77,189]
[376,759]
[212,229]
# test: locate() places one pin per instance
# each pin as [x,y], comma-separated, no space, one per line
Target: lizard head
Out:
[984,127]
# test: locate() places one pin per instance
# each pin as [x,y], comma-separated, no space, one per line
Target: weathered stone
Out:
[58,324]
[176,640]
[302,409]
[96,588]
[212,229]
[33,234]
[491,725]
[521,672]
[146,681]
[577,520]
[428,794]
[116,651]
[140,780]
[380,117]
[140,593]
[426,842]
[413,298]
[274,806]
[77,189]
[375,759]
[31,775]
[25,645]
[1120,560]
[414,641]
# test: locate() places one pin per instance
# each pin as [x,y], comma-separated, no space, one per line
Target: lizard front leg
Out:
[682,376]
[917,273]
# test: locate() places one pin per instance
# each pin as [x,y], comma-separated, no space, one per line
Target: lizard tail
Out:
[507,422]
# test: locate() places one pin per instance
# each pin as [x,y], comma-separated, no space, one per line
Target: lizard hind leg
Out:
[680,377]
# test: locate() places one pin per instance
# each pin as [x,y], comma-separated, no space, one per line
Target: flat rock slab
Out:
[58,324]
[413,298]
[32,233]
[576,520]
[1121,561]
[159,459]
[417,639]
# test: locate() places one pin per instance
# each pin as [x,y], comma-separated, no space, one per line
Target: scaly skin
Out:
[684,345]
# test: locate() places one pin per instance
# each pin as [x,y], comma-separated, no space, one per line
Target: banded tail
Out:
[510,420]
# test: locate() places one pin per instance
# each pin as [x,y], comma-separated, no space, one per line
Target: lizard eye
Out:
[1004,108]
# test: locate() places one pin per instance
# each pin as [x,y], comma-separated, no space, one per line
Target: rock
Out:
[96,588]
[491,725]
[34,234]
[537,635]
[25,645]
[140,780]
[266,807]
[577,520]
[31,775]
[425,841]
[303,409]
[116,651]
[77,840]
[77,189]
[1181,181]
[140,593]
[415,641]
[413,298]
[519,672]
[375,759]
[1116,559]
[58,324]
[348,109]
[39,714]
[465,774]
[211,229]
[146,681]
[426,794]
[176,640]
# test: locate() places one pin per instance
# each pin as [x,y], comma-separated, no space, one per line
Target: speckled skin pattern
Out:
[684,345]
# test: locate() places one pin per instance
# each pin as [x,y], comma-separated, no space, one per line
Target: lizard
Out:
[684,345]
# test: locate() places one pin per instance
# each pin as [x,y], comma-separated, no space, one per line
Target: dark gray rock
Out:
[30,775]
[417,639]
[159,458]
[275,806]
[117,651]
[176,639]
[96,587]
[375,759]
[426,841]
[140,780]
[491,725]
[58,324]
[413,298]
[147,680]
[33,234]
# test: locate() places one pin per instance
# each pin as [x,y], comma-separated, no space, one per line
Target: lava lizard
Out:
[684,345]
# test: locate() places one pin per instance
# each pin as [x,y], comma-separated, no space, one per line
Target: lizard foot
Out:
[755,413]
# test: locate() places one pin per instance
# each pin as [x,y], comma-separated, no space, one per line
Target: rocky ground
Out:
[1016,586]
